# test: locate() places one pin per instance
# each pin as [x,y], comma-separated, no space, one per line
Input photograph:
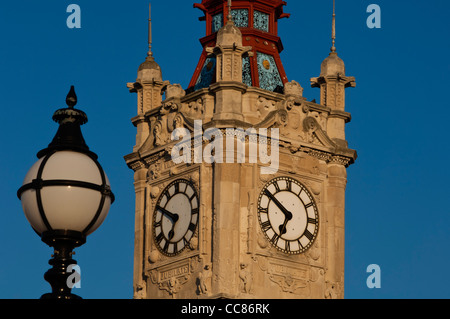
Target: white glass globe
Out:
[66,207]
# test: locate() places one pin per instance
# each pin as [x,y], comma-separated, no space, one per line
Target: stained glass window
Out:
[261,21]
[217,22]
[240,17]
[206,76]
[246,71]
[269,76]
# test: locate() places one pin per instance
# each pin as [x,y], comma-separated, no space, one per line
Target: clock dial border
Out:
[266,225]
[159,237]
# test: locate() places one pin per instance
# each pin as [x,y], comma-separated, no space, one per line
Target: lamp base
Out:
[58,277]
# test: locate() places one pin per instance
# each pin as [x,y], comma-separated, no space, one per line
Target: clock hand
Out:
[172,216]
[171,233]
[282,228]
[286,213]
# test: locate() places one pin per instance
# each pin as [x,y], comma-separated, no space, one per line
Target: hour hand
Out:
[172,216]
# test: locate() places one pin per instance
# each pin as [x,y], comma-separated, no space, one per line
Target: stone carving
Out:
[154,256]
[262,242]
[313,253]
[309,127]
[139,291]
[172,286]
[171,278]
[196,108]
[264,106]
[290,277]
[292,102]
[178,123]
[332,290]
[246,277]
[154,192]
[174,91]
[293,88]
[160,133]
[320,118]
[154,171]
[203,282]
[281,119]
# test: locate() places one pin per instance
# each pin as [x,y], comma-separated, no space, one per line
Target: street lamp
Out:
[66,195]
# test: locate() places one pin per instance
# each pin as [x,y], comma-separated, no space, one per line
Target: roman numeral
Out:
[263,210]
[309,205]
[268,193]
[266,226]
[312,221]
[288,245]
[195,211]
[159,238]
[275,239]
[177,188]
[308,235]
[166,246]
[289,185]
[157,224]
[192,227]
[166,193]
[277,187]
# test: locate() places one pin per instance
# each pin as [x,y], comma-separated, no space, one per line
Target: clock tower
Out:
[216,216]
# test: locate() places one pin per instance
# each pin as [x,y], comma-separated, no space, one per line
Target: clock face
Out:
[288,215]
[175,217]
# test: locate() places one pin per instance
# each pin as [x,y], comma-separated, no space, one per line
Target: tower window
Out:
[246,71]
[217,22]
[261,21]
[206,76]
[240,17]
[269,76]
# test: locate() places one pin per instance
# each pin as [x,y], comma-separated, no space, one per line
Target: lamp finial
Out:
[71,99]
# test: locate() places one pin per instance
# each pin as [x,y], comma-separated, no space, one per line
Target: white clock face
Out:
[288,215]
[175,217]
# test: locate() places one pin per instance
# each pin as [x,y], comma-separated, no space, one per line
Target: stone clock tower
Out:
[210,227]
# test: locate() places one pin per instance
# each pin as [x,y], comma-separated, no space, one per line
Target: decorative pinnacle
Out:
[70,115]
[149,53]
[229,17]
[71,99]
[333,28]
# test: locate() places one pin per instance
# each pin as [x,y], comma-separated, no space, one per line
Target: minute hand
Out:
[286,213]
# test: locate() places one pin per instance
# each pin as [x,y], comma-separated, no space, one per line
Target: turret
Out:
[148,86]
[257,22]
[332,83]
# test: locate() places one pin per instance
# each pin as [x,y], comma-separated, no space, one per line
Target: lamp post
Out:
[66,195]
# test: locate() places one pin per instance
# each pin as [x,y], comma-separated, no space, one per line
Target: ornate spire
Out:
[333,28]
[150,53]
[149,70]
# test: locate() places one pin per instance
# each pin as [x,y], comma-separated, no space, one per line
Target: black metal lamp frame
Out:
[68,138]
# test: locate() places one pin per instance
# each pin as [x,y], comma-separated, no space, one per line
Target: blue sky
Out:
[397,213]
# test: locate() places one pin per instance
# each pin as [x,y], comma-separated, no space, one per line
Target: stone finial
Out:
[293,88]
